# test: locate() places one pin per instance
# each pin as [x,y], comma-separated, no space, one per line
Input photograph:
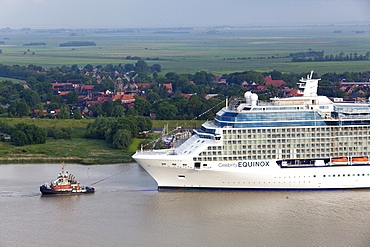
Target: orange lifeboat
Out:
[340,160]
[360,160]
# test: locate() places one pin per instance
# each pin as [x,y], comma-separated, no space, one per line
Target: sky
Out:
[49,14]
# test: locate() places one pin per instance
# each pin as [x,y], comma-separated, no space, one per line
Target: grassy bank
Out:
[78,149]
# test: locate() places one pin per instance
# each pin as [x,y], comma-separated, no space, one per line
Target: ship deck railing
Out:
[157,152]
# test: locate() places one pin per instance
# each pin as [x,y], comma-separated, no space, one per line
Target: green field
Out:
[196,50]
[12,79]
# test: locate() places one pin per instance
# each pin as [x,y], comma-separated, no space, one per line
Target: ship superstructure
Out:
[304,142]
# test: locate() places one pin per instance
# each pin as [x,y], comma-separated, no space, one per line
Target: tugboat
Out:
[65,184]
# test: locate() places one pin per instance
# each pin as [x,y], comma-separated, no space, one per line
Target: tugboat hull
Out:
[45,190]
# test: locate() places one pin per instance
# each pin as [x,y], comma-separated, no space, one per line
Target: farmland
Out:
[216,50]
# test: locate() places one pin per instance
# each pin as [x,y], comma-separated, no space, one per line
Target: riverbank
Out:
[76,150]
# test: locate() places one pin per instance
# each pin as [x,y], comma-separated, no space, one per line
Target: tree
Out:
[142,106]
[118,111]
[22,108]
[25,134]
[77,114]
[64,112]
[19,138]
[141,67]
[156,68]
[97,129]
[276,75]
[166,111]
[152,97]
[203,77]
[107,108]
[72,97]
[40,108]
[131,112]
[31,97]
[89,67]
[122,139]
[143,123]
[272,89]
[195,106]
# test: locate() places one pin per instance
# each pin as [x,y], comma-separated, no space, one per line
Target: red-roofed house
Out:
[186,95]
[291,92]
[64,93]
[61,86]
[143,85]
[125,98]
[168,86]
[87,87]
[278,83]
[104,98]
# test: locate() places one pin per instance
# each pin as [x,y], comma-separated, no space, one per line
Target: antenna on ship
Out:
[227,101]
[311,75]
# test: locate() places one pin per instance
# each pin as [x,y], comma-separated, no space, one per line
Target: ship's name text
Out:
[245,164]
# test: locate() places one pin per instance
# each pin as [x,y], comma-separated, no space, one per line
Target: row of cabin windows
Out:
[346,175]
[333,141]
[278,149]
[281,156]
[297,130]
[354,134]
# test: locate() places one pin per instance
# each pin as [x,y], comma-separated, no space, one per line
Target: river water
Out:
[127,210]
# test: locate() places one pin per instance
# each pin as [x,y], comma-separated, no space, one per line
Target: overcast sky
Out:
[178,13]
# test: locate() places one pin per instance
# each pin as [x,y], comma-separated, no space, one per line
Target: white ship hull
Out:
[252,175]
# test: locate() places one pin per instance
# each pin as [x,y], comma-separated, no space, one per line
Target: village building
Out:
[277,83]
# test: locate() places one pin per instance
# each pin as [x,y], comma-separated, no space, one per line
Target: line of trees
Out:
[24,134]
[318,56]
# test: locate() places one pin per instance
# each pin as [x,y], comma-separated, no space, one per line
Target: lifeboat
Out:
[360,160]
[339,161]
[65,184]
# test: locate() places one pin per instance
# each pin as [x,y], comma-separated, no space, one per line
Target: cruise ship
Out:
[306,142]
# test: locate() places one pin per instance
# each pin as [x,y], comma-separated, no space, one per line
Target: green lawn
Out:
[12,79]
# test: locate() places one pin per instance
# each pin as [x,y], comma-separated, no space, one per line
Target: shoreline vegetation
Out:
[76,150]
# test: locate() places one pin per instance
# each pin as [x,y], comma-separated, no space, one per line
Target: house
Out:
[62,86]
[288,92]
[208,96]
[103,98]
[186,95]
[168,86]
[143,85]
[124,98]
[277,83]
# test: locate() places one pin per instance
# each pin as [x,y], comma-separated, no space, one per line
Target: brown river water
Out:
[127,210]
